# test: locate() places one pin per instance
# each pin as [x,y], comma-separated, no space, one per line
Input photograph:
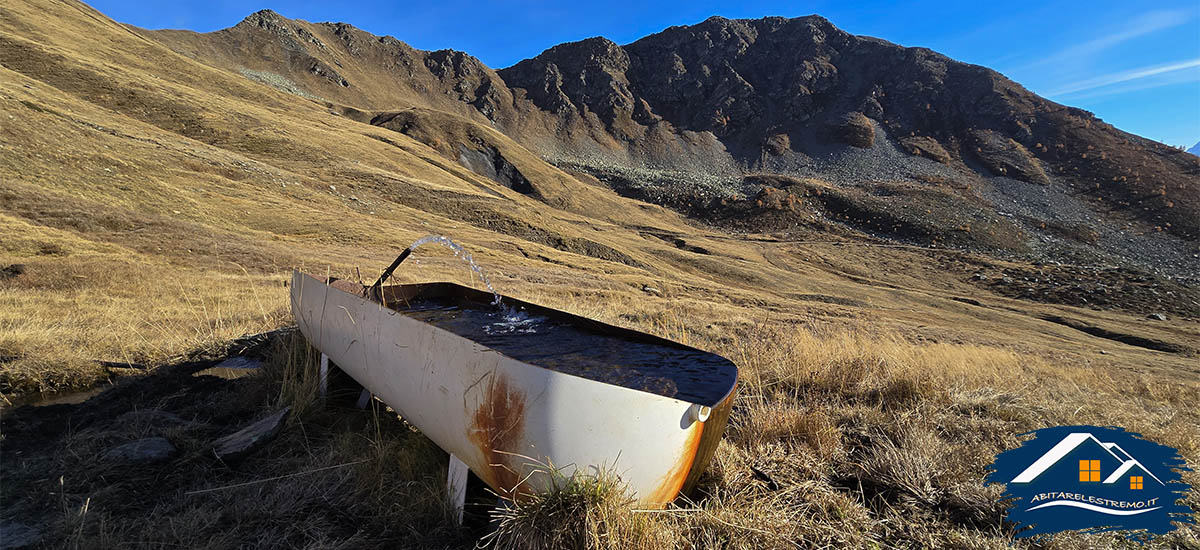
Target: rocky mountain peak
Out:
[590,53]
[581,77]
[263,18]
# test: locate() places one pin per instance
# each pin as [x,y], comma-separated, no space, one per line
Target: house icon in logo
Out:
[1098,462]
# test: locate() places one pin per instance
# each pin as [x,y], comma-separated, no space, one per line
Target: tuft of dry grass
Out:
[295,364]
[592,511]
[911,462]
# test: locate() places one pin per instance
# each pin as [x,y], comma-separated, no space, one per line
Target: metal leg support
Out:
[456,486]
[363,399]
[323,380]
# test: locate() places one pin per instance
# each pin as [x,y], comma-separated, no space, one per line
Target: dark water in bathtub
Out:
[685,374]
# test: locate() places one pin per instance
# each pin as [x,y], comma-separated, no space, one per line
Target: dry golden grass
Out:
[108,308]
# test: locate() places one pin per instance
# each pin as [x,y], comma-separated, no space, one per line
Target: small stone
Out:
[18,535]
[238,445]
[651,290]
[979,277]
[143,451]
[1157,317]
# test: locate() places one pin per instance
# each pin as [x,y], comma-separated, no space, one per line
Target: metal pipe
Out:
[388,272]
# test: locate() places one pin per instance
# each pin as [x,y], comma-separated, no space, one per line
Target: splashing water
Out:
[512,320]
[460,252]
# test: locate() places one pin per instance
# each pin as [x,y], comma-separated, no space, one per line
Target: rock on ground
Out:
[143,451]
[240,444]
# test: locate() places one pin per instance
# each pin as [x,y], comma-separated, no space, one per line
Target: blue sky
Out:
[1136,65]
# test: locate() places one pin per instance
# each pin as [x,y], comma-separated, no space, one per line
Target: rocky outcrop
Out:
[923,146]
[1005,157]
[585,77]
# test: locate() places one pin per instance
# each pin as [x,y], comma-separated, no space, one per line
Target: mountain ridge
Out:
[714,101]
[920,147]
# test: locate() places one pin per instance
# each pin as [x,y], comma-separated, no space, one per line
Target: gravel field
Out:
[1058,227]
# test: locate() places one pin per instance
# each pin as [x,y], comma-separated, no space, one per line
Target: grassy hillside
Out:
[157,205]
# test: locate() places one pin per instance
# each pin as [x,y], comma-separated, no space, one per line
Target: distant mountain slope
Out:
[1195,150]
[917,146]
[780,93]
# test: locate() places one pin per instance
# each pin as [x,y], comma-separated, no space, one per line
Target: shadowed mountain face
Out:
[779,92]
[767,125]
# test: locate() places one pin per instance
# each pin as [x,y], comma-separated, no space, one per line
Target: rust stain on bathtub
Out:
[497,429]
[715,427]
[669,487]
